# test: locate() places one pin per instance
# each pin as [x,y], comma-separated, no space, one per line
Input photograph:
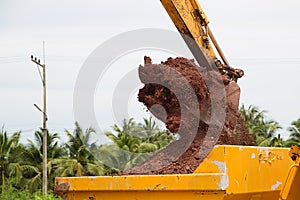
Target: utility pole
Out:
[44,129]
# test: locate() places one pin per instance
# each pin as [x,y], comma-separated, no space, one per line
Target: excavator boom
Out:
[192,23]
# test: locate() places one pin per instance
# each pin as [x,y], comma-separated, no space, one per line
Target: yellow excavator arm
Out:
[192,23]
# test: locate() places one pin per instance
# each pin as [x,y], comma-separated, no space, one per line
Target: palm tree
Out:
[294,130]
[125,145]
[150,128]
[156,136]
[126,138]
[251,115]
[132,144]
[8,167]
[73,167]
[277,141]
[255,121]
[265,132]
[79,161]
[135,137]
[33,155]
[112,157]
[162,139]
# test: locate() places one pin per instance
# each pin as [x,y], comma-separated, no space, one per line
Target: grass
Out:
[12,193]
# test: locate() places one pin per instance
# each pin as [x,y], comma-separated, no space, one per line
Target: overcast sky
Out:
[259,36]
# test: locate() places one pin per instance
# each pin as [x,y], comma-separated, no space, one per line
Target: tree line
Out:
[131,144]
[128,146]
[266,132]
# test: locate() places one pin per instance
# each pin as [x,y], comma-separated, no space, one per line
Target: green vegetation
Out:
[12,193]
[130,144]
[267,132]
[21,165]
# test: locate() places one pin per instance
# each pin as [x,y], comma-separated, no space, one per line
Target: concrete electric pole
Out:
[44,129]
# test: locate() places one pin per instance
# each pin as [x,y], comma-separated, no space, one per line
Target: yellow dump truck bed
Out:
[229,172]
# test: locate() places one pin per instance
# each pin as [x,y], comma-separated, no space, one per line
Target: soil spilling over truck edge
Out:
[192,105]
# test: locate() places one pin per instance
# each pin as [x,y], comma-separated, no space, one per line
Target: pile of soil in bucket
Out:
[200,105]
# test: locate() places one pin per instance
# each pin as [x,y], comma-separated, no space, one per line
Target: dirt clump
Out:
[200,105]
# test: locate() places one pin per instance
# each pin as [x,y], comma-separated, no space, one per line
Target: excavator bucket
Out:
[233,94]
[232,99]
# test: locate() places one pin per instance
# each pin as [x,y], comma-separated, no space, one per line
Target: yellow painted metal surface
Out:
[291,186]
[143,187]
[249,169]
[144,195]
[229,173]
[191,21]
[186,182]
[256,171]
[290,189]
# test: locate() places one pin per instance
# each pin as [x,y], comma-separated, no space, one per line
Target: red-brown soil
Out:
[186,91]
